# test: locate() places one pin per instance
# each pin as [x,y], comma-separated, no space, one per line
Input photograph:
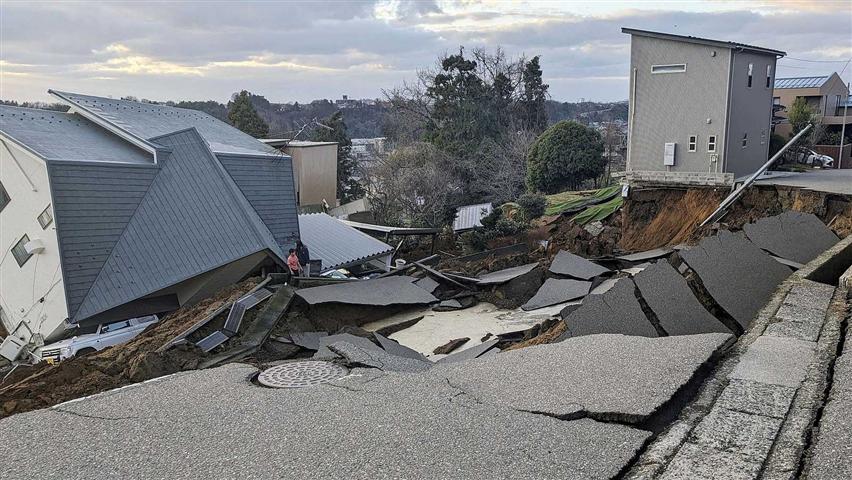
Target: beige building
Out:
[314,170]
[825,95]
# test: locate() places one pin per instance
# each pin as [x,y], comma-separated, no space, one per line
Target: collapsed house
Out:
[118,209]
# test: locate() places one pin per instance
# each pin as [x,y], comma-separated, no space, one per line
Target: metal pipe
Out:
[843,128]
[719,212]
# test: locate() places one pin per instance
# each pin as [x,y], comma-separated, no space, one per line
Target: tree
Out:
[565,155]
[348,188]
[800,115]
[534,97]
[242,115]
[410,186]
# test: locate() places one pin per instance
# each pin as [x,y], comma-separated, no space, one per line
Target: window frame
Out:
[21,244]
[692,143]
[668,68]
[5,199]
[49,214]
[711,140]
[768,76]
[745,140]
[750,74]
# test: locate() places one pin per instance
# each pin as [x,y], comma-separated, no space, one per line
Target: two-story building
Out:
[700,109]
[825,95]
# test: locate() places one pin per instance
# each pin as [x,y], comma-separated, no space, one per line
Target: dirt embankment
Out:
[655,218]
[43,385]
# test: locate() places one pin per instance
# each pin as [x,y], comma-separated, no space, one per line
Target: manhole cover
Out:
[301,374]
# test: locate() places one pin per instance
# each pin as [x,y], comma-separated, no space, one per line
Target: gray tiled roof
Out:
[147,120]
[191,220]
[338,244]
[800,82]
[67,136]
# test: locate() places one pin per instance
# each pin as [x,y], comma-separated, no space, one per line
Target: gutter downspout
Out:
[632,107]
[843,128]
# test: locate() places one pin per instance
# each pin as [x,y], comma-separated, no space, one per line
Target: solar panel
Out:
[212,341]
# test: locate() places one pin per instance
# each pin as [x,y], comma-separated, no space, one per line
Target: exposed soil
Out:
[43,385]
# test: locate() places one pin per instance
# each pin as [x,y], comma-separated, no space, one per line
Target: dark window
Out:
[711,143]
[768,75]
[20,253]
[693,139]
[45,218]
[750,73]
[745,140]
[4,197]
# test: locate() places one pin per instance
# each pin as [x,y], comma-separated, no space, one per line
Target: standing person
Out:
[293,264]
[304,257]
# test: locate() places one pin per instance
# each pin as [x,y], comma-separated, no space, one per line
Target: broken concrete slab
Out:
[503,276]
[396,290]
[556,291]
[796,236]
[775,361]
[427,283]
[832,452]
[309,340]
[737,432]
[448,306]
[357,356]
[324,352]
[450,346]
[616,311]
[737,274]
[603,286]
[402,426]
[605,376]
[646,255]
[395,348]
[702,462]
[672,301]
[568,264]
[756,398]
[788,263]
[470,353]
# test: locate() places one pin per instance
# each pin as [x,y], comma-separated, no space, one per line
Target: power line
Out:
[815,61]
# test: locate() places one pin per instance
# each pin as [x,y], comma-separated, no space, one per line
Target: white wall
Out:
[22,288]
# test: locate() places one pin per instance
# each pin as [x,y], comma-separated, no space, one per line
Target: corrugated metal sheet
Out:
[191,220]
[67,136]
[470,216]
[338,244]
[800,82]
[267,184]
[92,204]
[147,121]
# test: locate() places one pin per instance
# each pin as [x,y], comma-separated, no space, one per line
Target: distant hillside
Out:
[364,119]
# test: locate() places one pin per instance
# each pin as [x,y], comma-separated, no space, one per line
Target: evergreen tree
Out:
[565,155]
[534,97]
[242,115]
[348,187]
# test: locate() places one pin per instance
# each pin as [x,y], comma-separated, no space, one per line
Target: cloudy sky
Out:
[303,50]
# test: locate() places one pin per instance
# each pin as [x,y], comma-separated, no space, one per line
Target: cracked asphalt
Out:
[370,424]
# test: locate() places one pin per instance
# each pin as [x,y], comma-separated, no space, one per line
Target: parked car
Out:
[814,159]
[107,335]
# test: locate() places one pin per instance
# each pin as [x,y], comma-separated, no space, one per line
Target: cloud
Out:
[302,50]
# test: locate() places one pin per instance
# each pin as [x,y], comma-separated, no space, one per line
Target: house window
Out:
[745,140]
[691,144]
[776,100]
[750,73]
[4,198]
[711,144]
[768,75]
[45,218]
[20,253]
[673,68]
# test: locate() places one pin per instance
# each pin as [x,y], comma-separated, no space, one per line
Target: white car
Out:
[814,159]
[107,335]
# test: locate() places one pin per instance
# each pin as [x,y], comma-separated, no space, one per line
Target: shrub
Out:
[532,205]
[565,155]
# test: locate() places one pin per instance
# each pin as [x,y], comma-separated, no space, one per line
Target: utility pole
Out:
[843,127]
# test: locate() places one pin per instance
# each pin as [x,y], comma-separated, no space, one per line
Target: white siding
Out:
[22,288]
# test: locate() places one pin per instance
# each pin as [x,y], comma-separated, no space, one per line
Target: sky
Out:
[304,50]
